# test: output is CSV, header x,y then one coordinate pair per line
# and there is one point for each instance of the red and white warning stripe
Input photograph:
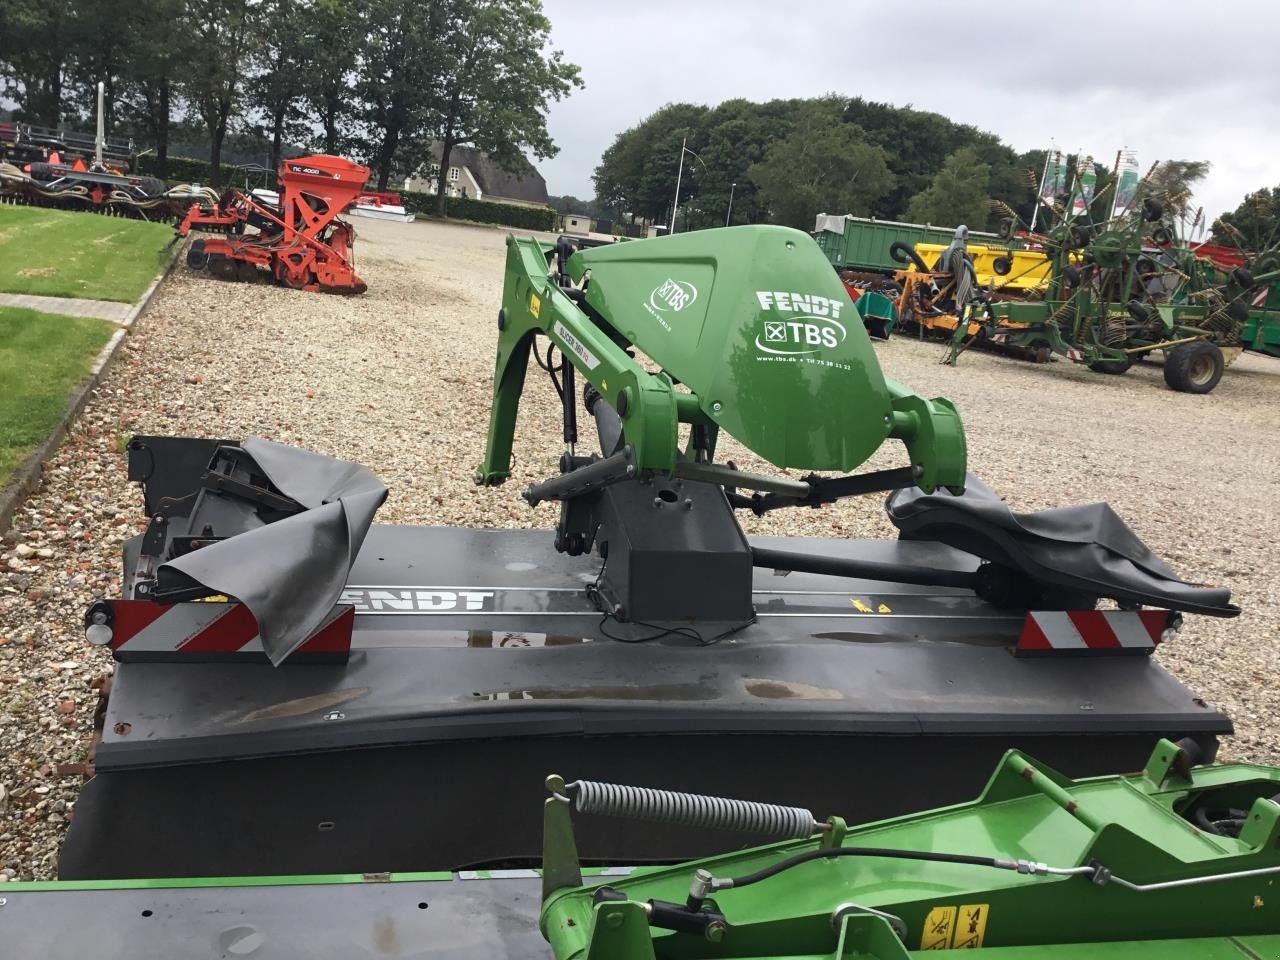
x,y
1074,354
1260,298
143,630
1091,631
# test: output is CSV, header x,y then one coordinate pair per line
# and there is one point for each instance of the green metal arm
x,y
532,304
803,390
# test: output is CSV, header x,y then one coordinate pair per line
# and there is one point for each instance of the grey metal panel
x,y
351,921
535,663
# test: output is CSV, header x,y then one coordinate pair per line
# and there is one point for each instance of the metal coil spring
x,y
691,809
1220,321
1112,331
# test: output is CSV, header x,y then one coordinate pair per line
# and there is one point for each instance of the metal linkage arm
x,y
533,304
933,435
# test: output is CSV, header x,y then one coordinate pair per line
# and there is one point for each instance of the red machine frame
x,y
303,244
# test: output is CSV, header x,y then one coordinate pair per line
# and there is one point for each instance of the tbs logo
x,y
816,329
673,295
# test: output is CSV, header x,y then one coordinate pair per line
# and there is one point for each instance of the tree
x,y
497,80
223,32
1172,181
824,165
637,174
1254,225
332,46
957,194
34,55
283,76
398,84
155,56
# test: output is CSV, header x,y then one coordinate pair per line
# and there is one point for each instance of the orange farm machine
x,y
299,239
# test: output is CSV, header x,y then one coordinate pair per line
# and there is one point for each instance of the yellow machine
x,y
1028,269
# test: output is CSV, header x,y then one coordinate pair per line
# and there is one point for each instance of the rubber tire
x,y
1003,266
43,172
1181,361
1152,209
1113,367
1161,236
197,259
152,188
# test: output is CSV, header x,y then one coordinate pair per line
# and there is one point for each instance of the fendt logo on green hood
x,y
813,326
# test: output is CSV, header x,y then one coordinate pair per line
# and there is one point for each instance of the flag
x,y
1054,181
1086,182
1127,176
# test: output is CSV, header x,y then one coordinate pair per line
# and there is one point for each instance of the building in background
x,y
476,175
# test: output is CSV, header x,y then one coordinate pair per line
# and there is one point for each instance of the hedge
x,y
483,211
187,170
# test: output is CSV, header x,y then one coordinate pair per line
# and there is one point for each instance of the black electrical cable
x,y
661,631
546,365
807,856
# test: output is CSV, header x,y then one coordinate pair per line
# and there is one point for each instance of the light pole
x,y
671,228
729,214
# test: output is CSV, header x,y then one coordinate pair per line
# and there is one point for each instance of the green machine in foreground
x,y
383,799
1173,863
755,327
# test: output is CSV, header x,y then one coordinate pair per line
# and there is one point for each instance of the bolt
x,y
99,616
614,919
657,501
688,504
335,715
1087,705
717,407
715,931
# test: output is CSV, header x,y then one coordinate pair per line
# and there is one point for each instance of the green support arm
x,y
533,304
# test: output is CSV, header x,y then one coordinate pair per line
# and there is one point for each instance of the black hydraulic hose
x,y
862,569
794,861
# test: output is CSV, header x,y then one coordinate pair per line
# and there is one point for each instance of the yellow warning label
x,y
971,927
860,606
938,928
535,305
883,608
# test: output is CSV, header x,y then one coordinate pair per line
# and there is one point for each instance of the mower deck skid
x,y
478,663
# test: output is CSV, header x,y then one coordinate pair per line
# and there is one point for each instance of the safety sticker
x,y
938,928
863,607
535,305
955,928
971,927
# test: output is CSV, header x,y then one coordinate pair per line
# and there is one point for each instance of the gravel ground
x,y
399,379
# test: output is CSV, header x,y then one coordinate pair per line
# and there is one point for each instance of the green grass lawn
x,y
62,253
42,357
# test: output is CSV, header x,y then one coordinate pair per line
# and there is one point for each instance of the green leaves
x,y
823,166
957,194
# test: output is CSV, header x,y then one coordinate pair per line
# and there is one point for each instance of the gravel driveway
x,y
399,379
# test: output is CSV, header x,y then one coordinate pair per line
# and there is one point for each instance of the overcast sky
x,y
1171,80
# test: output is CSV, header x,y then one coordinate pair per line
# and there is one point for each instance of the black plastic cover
x,y
290,573
1086,548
